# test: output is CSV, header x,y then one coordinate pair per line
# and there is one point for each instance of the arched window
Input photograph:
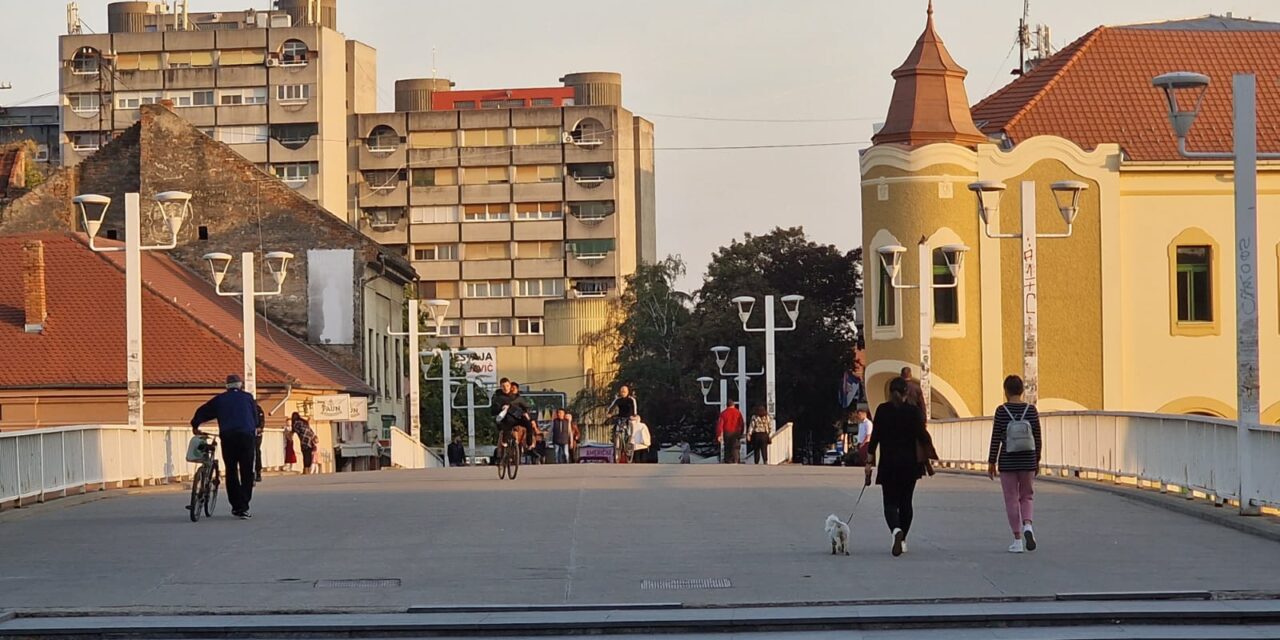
x,y
85,62
383,138
589,132
294,53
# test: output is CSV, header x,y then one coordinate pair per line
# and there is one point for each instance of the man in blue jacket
x,y
238,422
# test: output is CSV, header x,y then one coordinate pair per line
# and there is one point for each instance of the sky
x,y
708,73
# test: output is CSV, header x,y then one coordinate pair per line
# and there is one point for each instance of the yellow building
x,y
1136,309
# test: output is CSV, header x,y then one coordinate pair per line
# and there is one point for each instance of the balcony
x,y
242,76
591,228
240,114
486,307
486,193
199,116
592,287
433,158
309,188
295,111
538,268
393,158
536,117
385,230
485,156
391,194
486,232
593,265
434,233
537,154
485,119
486,269
422,196
590,151
309,151
141,80
538,191
538,230
192,78
255,153
438,269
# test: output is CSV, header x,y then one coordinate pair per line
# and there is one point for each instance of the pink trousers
x,y
1018,494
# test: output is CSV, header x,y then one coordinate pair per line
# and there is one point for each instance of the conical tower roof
x,y
929,101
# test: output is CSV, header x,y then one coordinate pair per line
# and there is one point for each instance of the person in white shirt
x,y
640,439
864,427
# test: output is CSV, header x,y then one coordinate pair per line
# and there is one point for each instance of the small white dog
x,y
838,532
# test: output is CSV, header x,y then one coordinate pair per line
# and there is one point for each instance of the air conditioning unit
x,y
566,137
273,62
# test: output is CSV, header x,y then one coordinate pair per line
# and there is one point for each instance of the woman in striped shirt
x,y
1016,468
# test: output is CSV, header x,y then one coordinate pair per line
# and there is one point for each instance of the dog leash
x,y
855,505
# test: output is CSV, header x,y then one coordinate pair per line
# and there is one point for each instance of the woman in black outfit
x,y
899,435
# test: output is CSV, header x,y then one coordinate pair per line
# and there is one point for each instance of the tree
x,y
810,360
431,406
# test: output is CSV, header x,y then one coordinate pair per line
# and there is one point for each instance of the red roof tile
x,y
191,336
1098,89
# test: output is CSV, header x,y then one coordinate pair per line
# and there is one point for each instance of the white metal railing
x,y
39,464
1193,453
408,453
780,448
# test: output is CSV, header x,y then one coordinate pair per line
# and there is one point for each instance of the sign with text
x,y
483,366
334,408
359,409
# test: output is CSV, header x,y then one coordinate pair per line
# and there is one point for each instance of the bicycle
x,y
623,447
205,482
509,452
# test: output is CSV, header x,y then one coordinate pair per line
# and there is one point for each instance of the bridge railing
x,y
1191,453
40,464
408,453
780,450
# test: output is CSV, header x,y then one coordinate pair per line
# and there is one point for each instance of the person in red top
x,y
729,432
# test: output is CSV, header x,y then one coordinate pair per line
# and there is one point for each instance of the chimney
x,y
34,299
167,104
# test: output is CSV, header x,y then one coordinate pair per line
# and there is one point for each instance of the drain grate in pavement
x,y
685,584
358,583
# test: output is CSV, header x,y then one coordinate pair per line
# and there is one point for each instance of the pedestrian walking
x,y
237,416
915,394
562,436
729,433
904,448
456,453
640,439
1015,457
308,441
761,434
577,438
862,436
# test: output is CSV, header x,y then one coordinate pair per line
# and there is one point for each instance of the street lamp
x,y
741,376
471,407
277,264
446,378
723,402
891,258
175,207
1066,194
1184,92
436,311
791,305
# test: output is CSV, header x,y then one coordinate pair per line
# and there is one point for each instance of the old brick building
x,y
343,290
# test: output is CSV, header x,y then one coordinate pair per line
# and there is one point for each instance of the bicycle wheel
x,y
502,463
211,493
197,490
515,462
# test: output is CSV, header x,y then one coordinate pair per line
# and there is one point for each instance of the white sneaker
x,y
1029,538
904,545
898,538
1016,547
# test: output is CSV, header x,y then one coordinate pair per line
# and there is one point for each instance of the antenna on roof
x,y
73,19
433,63
1038,44
1024,38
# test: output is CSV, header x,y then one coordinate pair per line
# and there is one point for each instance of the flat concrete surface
x,y
582,534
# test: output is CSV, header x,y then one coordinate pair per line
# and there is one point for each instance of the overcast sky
x,y
826,60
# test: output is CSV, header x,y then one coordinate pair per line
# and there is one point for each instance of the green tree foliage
x,y
430,401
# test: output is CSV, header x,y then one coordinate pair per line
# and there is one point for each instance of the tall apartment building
x,y
504,199
277,86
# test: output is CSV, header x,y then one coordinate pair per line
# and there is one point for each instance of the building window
x,y
538,135
593,287
591,175
294,136
241,57
489,288
85,62
383,139
189,59
1195,284
248,95
293,53
540,250
490,104
447,290
592,211
287,93
86,141
539,211
431,139
499,212
589,132
434,178
399,372
589,249
295,174
491,327
540,288
202,98
129,101
946,301
386,367
487,251
433,252
529,326
451,328
247,134
137,61
484,138
84,102
485,175
432,215
464,104
384,218
382,179
886,300
539,173
544,102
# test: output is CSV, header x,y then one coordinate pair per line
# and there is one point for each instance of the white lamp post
x,y
278,264
790,304
1066,194
891,258
175,207
741,376
471,407
436,311
446,396
723,402
1244,154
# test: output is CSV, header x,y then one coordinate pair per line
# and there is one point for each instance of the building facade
x,y
277,86
505,199
1136,308
39,124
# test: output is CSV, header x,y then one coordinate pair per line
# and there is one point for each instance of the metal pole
x,y
413,417
743,378
1030,289
770,382
133,320
1246,196
248,298
471,419
446,400
724,394
925,290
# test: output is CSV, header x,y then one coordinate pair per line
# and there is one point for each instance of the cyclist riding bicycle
x,y
513,414
624,407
